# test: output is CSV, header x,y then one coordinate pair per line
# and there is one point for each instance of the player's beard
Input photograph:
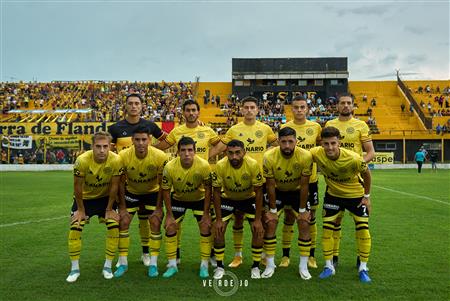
x,y
345,114
235,162
287,152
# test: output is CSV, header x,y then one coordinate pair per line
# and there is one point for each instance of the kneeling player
x,y
287,169
240,179
188,177
96,181
345,190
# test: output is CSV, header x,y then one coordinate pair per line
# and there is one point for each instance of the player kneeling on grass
x,y
237,182
140,192
342,170
96,181
186,185
287,169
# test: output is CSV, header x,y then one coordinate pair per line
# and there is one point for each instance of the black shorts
x,y
93,207
333,206
179,209
144,203
313,196
229,207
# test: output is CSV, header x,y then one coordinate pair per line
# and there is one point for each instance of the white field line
x,y
412,195
33,221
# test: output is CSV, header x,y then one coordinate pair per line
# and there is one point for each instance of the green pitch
x,y
409,259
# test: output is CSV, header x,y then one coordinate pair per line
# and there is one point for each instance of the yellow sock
x,y
288,234
313,232
336,239
205,247
124,242
304,246
75,240
112,238
219,250
327,240
256,253
144,231
155,243
171,246
270,245
238,238
364,240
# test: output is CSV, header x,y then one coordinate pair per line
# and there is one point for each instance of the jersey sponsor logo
x,y
237,189
309,132
330,206
201,150
288,181
178,209
348,145
98,178
245,177
96,185
226,207
306,146
259,134
254,149
141,180
250,141
130,199
200,135
151,167
350,130
335,178
288,174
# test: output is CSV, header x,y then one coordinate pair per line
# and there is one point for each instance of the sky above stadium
x,y
179,40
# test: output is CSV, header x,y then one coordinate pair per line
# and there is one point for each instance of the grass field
x,y
409,260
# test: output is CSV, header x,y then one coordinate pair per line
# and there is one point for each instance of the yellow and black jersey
x,y
186,184
97,176
237,184
287,171
342,174
142,174
354,133
307,136
256,137
122,132
204,136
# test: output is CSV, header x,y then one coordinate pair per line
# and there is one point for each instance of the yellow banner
x,y
52,128
63,142
383,158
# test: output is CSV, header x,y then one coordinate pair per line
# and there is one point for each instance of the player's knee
x,y
289,217
271,227
204,229
155,223
171,230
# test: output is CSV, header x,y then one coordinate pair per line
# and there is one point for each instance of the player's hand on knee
x,y
158,214
78,216
170,224
219,228
206,220
125,217
257,228
112,214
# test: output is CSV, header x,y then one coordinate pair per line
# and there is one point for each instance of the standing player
x,y
96,182
355,136
121,133
186,185
342,170
287,169
237,182
256,136
140,187
308,136
204,138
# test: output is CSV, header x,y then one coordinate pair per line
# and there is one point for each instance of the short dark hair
x,y
299,98
190,102
330,131
135,95
141,130
287,131
185,141
250,99
235,142
345,94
